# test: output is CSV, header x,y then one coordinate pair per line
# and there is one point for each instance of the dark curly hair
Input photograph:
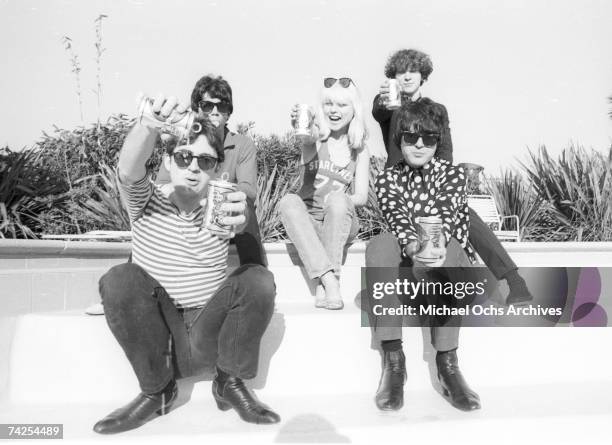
x,y
216,87
423,115
409,60
201,127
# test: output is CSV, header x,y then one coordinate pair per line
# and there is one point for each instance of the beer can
x,y
303,122
429,231
217,189
177,124
395,98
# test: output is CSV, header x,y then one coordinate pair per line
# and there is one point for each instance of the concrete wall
x,y
46,275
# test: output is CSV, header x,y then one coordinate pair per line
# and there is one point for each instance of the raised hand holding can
x,y
176,123
394,100
303,120
213,218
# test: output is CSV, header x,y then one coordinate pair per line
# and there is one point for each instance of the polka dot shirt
x,y
436,189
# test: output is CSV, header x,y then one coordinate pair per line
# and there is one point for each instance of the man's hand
x,y
140,142
163,107
436,252
383,90
412,248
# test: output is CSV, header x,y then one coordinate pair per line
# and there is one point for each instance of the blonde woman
x,y
320,218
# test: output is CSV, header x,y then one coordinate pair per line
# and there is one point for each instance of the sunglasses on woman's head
x,y
344,82
207,106
429,139
183,159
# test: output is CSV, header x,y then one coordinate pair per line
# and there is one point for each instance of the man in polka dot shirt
x,y
419,185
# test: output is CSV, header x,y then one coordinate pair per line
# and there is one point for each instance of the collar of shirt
x,y
403,167
229,139
415,97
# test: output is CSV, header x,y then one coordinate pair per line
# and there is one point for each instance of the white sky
x,y
512,74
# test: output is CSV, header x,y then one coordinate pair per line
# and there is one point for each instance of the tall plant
x,y
99,51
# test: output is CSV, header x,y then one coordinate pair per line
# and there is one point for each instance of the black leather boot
x,y
138,412
454,387
519,292
230,392
390,393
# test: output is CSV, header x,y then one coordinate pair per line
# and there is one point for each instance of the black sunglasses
x,y
344,82
429,139
183,159
222,107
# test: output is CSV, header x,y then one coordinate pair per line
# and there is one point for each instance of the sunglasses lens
x,y
207,106
429,140
183,159
328,82
345,81
223,107
207,162
410,138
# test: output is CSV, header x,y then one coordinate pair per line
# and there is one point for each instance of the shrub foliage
x,y
66,183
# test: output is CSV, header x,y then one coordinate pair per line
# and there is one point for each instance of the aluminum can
x,y
303,122
429,231
395,98
177,124
217,189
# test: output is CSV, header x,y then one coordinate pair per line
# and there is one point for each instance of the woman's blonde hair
x,y
357,131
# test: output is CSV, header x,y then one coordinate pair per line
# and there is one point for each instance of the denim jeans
x,y
384,251
163,342
320,244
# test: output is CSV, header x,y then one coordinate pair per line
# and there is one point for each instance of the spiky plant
x,y
515,196
26,190
577,189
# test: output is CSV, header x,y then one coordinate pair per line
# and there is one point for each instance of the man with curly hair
x,y
412,68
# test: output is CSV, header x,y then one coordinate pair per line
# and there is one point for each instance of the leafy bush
x,y
371,220
270,189
105,208
26,191
277,152
577,190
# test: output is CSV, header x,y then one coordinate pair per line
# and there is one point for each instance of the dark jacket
x,y
387,118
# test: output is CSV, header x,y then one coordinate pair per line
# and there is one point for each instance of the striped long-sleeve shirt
x,y
186,259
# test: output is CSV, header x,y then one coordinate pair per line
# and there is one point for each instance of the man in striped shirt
x,y
172,310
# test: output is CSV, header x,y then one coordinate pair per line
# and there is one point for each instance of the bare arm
x,y
362,178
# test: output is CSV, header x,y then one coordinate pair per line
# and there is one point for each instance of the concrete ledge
x,y
19,248
46,275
